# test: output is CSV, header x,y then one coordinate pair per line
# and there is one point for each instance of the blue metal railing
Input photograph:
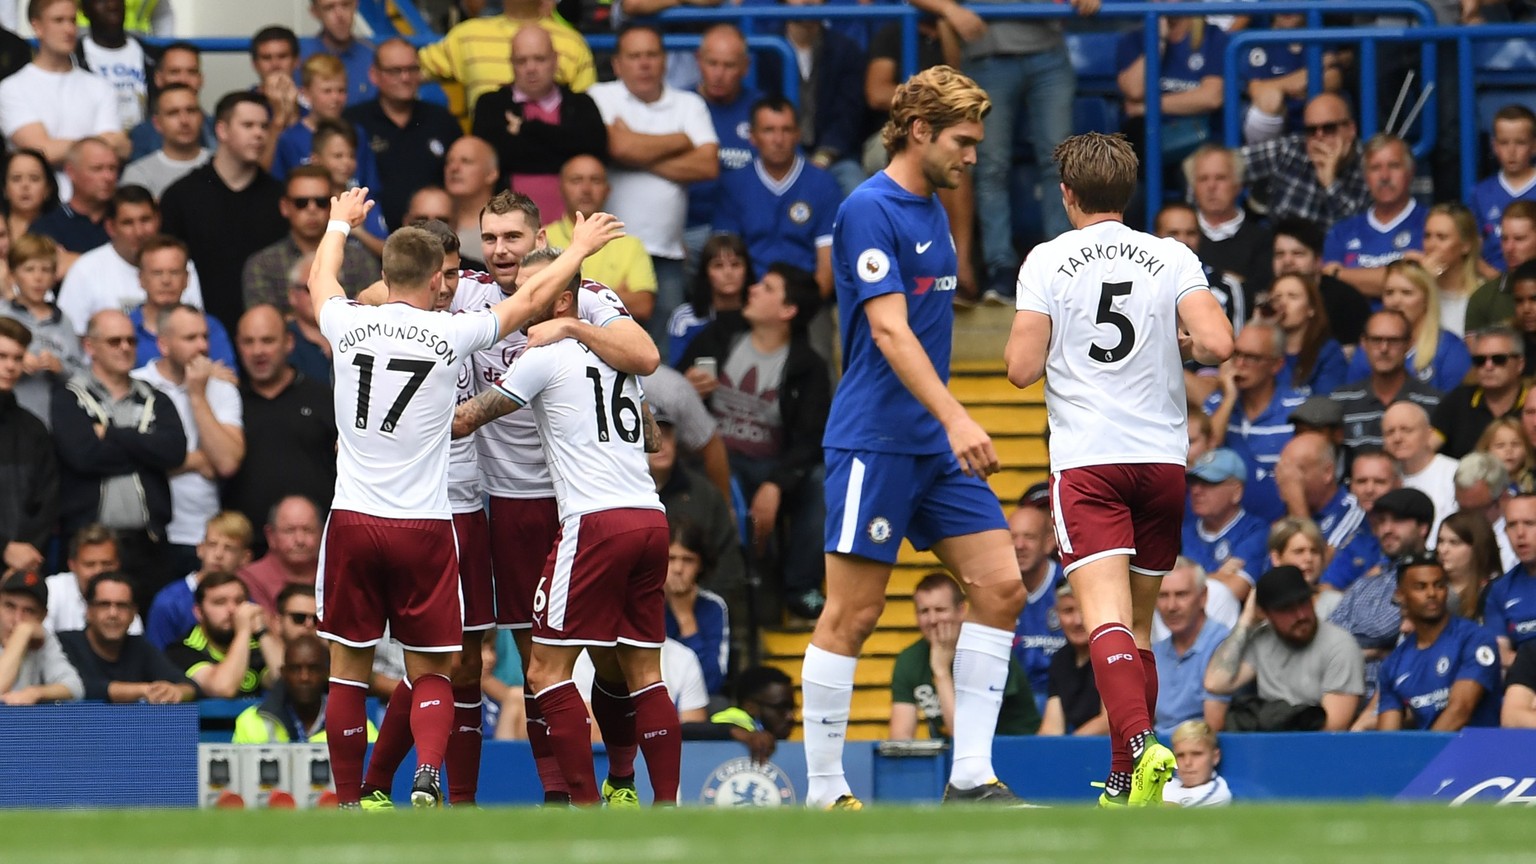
x,y
752,18
746,17
1368,37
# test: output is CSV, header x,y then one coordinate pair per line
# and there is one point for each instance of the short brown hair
x,y
411,256
217,579
1523,208
938,580
310,171
1099,169
16,331
31,247
507,201
163,241
941,97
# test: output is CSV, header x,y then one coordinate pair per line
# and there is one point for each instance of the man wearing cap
x,y
1400,524
1498,357
1509,610
1411,441
1445,676
1219,535
1037,636
1248,413
33,667
1295,659
1385,344
1307,473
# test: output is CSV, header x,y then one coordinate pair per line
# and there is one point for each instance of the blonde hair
x,y
233,525
1468,232
940,96
320,66
1099,169
1194,730
32,247
1426,335
1283,530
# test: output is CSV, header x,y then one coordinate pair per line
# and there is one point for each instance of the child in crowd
x,y
55,354
1196,784
334,148
1514,141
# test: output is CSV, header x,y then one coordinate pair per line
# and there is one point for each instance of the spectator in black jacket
x,y
831,98
117,440
535,125
770,393
29,474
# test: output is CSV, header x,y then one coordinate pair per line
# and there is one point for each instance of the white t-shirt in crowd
x,y
102,279
66,606
194,498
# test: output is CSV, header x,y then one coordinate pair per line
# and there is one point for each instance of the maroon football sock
x,y
543,754
615,715
431,718
1122,688
346,734
570,737
1149,672
661,740
394,741
464,745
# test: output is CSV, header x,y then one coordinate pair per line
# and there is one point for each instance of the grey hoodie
x,y
55,334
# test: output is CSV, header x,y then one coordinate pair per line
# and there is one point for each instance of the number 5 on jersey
x,y
1107,315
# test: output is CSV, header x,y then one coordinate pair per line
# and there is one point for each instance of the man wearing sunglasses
x,y
118,438
1498,356
306,205
1317,174
296,613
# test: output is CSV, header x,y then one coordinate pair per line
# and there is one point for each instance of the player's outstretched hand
x,y
591,233
972,446
351,206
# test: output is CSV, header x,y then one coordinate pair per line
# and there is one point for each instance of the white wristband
x,y
339,225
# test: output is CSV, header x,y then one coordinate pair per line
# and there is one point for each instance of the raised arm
x,y
348,210
588,235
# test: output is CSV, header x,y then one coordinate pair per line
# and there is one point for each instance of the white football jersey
x,y
465,494
396,368
1114,381
588,419
512,464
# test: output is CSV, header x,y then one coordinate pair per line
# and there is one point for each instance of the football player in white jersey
x,y
1108,315
600,588
524,519
388,555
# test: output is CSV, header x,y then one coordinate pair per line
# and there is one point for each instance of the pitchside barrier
x,y
149,756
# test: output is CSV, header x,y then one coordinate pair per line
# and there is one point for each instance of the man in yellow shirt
x,y
478,53
623,264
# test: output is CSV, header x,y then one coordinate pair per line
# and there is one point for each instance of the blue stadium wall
x,y
142,756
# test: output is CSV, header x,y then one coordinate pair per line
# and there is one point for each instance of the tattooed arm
x,y
481,410
1227,671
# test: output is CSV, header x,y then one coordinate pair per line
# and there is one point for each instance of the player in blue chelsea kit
x,y
903,457
1445,675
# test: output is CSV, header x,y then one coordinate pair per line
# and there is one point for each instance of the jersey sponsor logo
x,y
923,247
1381,260
879,529
1437,698
800,212
1484,655
741,782
873,265
924,284
1524,628
1048,643
732,158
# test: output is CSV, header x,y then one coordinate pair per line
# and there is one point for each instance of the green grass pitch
x,y
1375,833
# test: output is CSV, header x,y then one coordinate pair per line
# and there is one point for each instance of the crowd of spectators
x,y
1357,543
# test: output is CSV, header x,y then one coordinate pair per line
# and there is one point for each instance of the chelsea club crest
x,y
744,783
879,529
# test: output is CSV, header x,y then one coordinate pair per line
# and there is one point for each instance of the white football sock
x,y
981,673
826,694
